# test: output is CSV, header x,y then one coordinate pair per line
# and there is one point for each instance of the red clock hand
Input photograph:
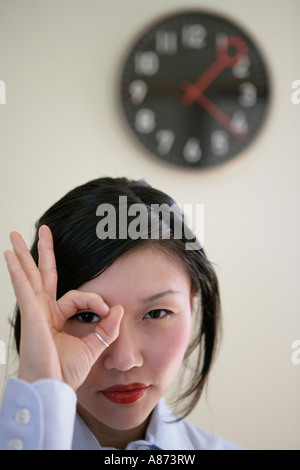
x,y
218,114
193,92
221,117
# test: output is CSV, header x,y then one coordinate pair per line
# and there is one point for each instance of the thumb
x,y
105,333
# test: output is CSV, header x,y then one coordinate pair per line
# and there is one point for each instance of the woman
x,y
110,304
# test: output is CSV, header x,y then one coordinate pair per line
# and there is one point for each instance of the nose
x,y
125,352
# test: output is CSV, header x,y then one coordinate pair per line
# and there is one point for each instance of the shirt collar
x,y
161,432
164,429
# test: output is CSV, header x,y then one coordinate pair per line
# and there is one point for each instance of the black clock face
x,y
194,90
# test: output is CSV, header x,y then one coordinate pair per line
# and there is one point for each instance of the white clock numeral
x,y
241,69
248,95
239,122
192,151
165,139
146,63
193,36
145,121
219,143
166,42
221,37
137,90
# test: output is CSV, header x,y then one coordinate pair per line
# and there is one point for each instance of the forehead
x,y
140,273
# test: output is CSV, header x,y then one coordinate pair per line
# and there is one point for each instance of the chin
x,y
131,421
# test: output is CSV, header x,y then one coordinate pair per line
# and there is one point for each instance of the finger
x,y
22,287
108,329
75,301
47,263
27,262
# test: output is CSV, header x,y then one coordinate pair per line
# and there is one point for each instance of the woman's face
x,y
140,365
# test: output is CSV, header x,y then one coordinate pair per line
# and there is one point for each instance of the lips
x,y
125,394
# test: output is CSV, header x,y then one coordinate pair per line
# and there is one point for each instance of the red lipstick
x,y
125,394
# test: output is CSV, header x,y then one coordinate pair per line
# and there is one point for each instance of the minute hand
x,y
223,60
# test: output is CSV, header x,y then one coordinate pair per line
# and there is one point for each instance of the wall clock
x,y
194,90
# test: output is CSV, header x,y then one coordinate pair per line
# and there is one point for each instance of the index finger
x,y
47,263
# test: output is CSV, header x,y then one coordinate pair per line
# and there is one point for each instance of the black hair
x,y
81,256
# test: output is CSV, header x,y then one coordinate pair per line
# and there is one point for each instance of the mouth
x,y
125,394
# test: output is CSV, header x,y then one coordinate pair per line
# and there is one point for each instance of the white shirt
x,y
42,416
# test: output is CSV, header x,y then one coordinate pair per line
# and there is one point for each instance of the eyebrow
x,y
159,295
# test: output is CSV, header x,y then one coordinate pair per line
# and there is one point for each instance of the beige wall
x,y
61,126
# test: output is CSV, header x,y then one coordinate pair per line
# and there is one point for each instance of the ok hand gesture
x,y
46,351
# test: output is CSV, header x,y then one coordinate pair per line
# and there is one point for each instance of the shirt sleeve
x,y
37,416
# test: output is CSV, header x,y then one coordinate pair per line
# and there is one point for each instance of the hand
x,y
46,351
195,92
220,116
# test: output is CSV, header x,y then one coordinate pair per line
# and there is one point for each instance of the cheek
x,y
168,348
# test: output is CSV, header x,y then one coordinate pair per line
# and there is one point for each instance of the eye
x,y
86,317
157,314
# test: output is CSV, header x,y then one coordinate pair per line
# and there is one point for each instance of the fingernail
x,y
106,307
6,255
